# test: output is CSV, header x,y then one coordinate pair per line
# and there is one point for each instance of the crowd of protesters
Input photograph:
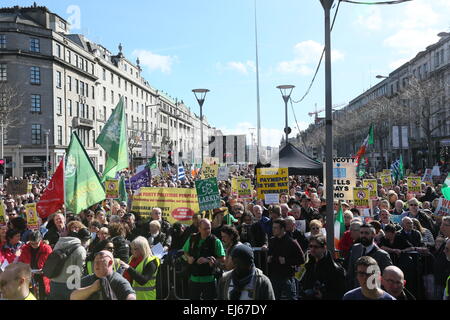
x,y
245,250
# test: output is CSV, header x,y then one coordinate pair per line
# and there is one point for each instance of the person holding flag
x,y
367,142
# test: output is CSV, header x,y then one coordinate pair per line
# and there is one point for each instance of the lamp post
x,y
286,91
200,95
46,132
327,4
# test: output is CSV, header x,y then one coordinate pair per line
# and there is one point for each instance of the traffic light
x,y
2,166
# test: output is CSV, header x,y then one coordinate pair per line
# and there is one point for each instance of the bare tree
x,y
427,104
10,106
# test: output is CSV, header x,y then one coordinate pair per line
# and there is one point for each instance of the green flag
x,y
123,195
446,188
113,140
152,162
83,187
401,170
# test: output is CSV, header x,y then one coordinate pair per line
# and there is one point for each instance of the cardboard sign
x,y
242,187
414,184
272,198
208,194
344,178
443,208
372,185
2,214
32,216
361,197
386,180
428,177
112,189
17,187
300,225
177,204
436,171
223,173
386,172
210,160
209,171
275,182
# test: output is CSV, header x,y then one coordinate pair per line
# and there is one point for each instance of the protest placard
x,y
208,194
112,189
17,187
442,208
414,185
386,180
372,185
209,171
271,180
242,187
32,216
344,178
223,173
361,198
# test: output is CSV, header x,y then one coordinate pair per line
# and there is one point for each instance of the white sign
x,y
155,172
436,171
344,178
223,173
427,177
443,208
271,198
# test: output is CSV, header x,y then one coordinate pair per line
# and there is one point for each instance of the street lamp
x,y
46,132
286,91
200,95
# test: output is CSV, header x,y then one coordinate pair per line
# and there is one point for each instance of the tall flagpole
x,y
257,93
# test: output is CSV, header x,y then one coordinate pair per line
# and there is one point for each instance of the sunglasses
x,y
110,249
413,204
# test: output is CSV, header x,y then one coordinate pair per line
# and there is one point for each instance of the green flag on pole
x,y
401,170
446,188
83,187
123,195
113,140
152,162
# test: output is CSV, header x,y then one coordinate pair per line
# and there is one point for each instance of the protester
x,y
230,239
105,283
57,228
393,282
101,245
11,250
15,282
157,236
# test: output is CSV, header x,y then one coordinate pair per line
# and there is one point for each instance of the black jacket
x,y
309,215
300,238
258,237
441,266
162,238
328,273
289,249
52,236
415,237
426,221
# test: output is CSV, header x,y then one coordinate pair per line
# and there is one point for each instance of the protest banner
x,y
17,187
242,187
271,198
32,216
386,180
372,185
387,172
344,178
442,208
2,214
428,177
112,189
271,180
209,171
207,194
177,204
223,173
414,185
361,198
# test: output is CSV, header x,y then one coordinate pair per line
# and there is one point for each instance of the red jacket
x,y
42,255
10,253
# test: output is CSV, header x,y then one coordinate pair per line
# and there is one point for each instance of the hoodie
x,y
77,257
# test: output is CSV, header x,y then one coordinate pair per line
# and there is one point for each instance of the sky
x,y
188,44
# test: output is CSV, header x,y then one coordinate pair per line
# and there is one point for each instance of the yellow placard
x,y
386,172
209,171
414,184
112,189
386,180
2,214
372,185
32,216
242,187
361,197
29,187
177,204
271,180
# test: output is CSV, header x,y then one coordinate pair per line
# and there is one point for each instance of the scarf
x,y
240,283
133,264
106,291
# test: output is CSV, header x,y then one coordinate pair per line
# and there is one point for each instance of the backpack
x,y
55,261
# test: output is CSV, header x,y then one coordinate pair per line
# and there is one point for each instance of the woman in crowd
x,y
230,238
142,269
156,236
102,245
100,216
316,228
11,250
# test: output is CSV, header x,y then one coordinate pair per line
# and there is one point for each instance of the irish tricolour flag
x,y
339,227
446,188
368,141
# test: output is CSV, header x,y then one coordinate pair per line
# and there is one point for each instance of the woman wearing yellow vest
x,y
106,244
142,269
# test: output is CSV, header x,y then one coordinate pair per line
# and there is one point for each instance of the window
x,y
69,106
92,68
76,60
58,50
3,72
58,79
104,75
112,78
93,138
78,109
126,85
36,134
59,106
35,75
82,110
132,105
87,89
35,103
35,45
93,92
112,96
69,82
2,41
82,88
69,56
104,94
77,86
119,80
104,113
60,142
